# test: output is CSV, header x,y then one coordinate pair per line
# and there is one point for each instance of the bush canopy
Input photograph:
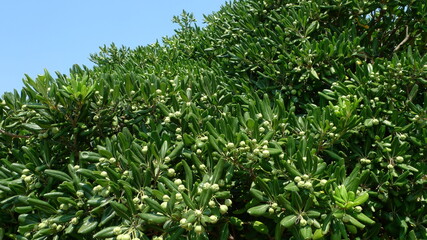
x,y
279,119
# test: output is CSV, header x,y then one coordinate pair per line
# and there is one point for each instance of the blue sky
x,y
54,35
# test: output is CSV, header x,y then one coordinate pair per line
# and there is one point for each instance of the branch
x,y
404,40
12,135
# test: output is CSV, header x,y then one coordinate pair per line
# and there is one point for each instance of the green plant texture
x,y
277,120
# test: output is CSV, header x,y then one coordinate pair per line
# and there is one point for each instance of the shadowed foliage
x,y
278,120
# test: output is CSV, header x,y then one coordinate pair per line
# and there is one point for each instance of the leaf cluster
x,y
278,120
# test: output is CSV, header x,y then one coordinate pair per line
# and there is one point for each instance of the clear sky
x,y
54,35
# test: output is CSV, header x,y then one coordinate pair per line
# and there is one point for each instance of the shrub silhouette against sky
x,y
279,119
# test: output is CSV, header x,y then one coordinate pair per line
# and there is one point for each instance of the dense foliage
x,y
279,119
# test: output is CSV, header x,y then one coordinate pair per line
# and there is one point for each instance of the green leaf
x,y
333,155
177,150
313,25
314,73
154,218
306,232
154,205
368,122
264,187
355,222
105,233
31,126
361,199
413,92
89,224
258,210
225,232
188,201
42,205
407,167
318,234
188,175
291,187
288,221
274,151
260,227
121,210
219,167
257,194
58,175
362,217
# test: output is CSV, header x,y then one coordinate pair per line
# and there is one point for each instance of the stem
x,y
403,41
13,135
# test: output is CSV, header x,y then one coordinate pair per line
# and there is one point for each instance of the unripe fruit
x,y
28,179
144,149
212,204
375,121
181,187
171,172
117,230
178,181
308,184
198,229
42,225
266,153
206,186
223,209
302,222
358,209
399,159
323,182
221,183
297,179
198,213
215,187
345,218
74,221
183,222
230,145
228,202
213,219
178,197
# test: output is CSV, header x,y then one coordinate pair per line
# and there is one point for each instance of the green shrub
x,y
280,119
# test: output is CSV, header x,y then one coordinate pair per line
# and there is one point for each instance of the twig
x,y
12,135
404,40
